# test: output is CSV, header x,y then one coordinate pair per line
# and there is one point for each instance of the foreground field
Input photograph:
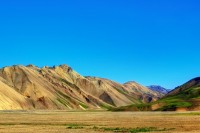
x,y
94,122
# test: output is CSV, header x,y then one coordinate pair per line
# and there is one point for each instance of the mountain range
x,y
62,88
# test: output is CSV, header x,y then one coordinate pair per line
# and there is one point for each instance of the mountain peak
x,y
30,65
158,88
130,82
65,67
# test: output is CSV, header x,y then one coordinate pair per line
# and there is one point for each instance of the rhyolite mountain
x,y
183,98
61,88
159,89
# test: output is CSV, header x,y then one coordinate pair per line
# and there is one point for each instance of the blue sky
x,y
151,42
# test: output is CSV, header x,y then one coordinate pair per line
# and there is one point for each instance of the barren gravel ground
x,y
58,121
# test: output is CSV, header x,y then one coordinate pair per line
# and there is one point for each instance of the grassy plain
x,y
98,122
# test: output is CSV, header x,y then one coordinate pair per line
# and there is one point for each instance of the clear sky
x,y
148,41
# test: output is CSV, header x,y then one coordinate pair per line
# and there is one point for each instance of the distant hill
x,y
159,89
62,88
183,98
141,92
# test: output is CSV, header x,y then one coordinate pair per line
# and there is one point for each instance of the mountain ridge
x,y
158,88
60,87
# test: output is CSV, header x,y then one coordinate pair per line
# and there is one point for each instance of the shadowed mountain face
x,y
158,89
61,88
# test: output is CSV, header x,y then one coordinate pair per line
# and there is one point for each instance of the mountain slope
x,y
193,83
10,99
186,96
60,87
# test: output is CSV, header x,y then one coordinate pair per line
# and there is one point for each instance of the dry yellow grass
x,y
57,121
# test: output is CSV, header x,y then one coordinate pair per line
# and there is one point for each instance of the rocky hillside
x,y
60,87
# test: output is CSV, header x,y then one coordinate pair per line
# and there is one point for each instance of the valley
x,y
58,99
